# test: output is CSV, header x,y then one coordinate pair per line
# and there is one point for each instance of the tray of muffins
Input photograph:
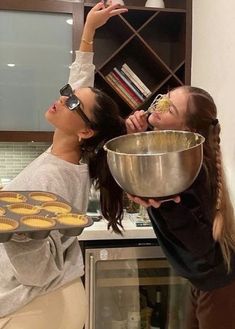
x,y
36,213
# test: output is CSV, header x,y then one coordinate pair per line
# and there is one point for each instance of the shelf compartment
x,y
120,265
138,17
109,38
102,84
134,54
168,39
174,4
168,85
125,282
180,72
182,4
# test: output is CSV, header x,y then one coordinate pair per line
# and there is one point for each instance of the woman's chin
x,y
154,123
48,116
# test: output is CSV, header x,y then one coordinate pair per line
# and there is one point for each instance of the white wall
x,y
213,68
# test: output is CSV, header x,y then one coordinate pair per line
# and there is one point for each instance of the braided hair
x,y
201,116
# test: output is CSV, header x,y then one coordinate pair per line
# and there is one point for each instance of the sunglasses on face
x,y
74,104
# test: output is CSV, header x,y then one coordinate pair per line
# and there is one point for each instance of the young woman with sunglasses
x,y
40,285
197,228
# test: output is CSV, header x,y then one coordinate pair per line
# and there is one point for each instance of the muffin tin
x,y
36,213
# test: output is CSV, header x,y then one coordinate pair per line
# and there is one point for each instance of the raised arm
x,y
82,70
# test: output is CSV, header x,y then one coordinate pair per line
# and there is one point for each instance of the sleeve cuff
x,y
84,57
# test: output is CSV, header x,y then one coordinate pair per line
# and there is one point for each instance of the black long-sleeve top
x,y
184,231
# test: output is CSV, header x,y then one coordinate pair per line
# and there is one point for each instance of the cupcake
x,y
56,207
42,196
72,219
2,211
38,222
12,197
7,224
24,209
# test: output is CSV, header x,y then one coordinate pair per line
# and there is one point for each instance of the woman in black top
x,y
196,229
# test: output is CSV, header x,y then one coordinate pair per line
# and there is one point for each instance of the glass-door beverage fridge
x,y
132,287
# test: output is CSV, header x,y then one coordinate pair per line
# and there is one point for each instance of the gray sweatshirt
x,y
30,268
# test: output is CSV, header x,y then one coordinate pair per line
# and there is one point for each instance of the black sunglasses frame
x,y
73,104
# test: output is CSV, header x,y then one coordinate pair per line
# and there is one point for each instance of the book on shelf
x,y
118,89
123,91
124,78
136,80
128,90
135,85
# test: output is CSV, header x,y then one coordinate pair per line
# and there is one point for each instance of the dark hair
x,y
108,125
201,117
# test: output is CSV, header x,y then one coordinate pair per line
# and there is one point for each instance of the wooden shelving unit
x,y
154,42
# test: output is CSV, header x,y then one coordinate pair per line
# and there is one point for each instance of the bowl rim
x,y
153,132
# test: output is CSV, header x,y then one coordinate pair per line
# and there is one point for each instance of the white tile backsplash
x,y
16,156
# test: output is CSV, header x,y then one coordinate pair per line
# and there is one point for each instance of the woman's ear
x,y
85,133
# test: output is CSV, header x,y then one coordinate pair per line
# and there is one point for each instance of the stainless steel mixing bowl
x,y
157,163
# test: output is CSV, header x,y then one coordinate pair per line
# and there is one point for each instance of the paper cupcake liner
x,y
42,196
24,209
56,207
12,197
72,219
38,222
8,224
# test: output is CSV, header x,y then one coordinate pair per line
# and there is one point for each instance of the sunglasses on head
x,y
74,104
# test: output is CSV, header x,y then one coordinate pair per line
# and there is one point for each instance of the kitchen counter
x,y
99,231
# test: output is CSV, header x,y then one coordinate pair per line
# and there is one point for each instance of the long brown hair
x,y
201,116
108,125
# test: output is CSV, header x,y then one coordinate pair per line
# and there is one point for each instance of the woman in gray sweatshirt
x,y
40,283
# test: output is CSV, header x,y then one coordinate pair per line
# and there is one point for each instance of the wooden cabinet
x,y
154,42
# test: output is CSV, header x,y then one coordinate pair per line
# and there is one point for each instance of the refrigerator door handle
x,y
91,291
